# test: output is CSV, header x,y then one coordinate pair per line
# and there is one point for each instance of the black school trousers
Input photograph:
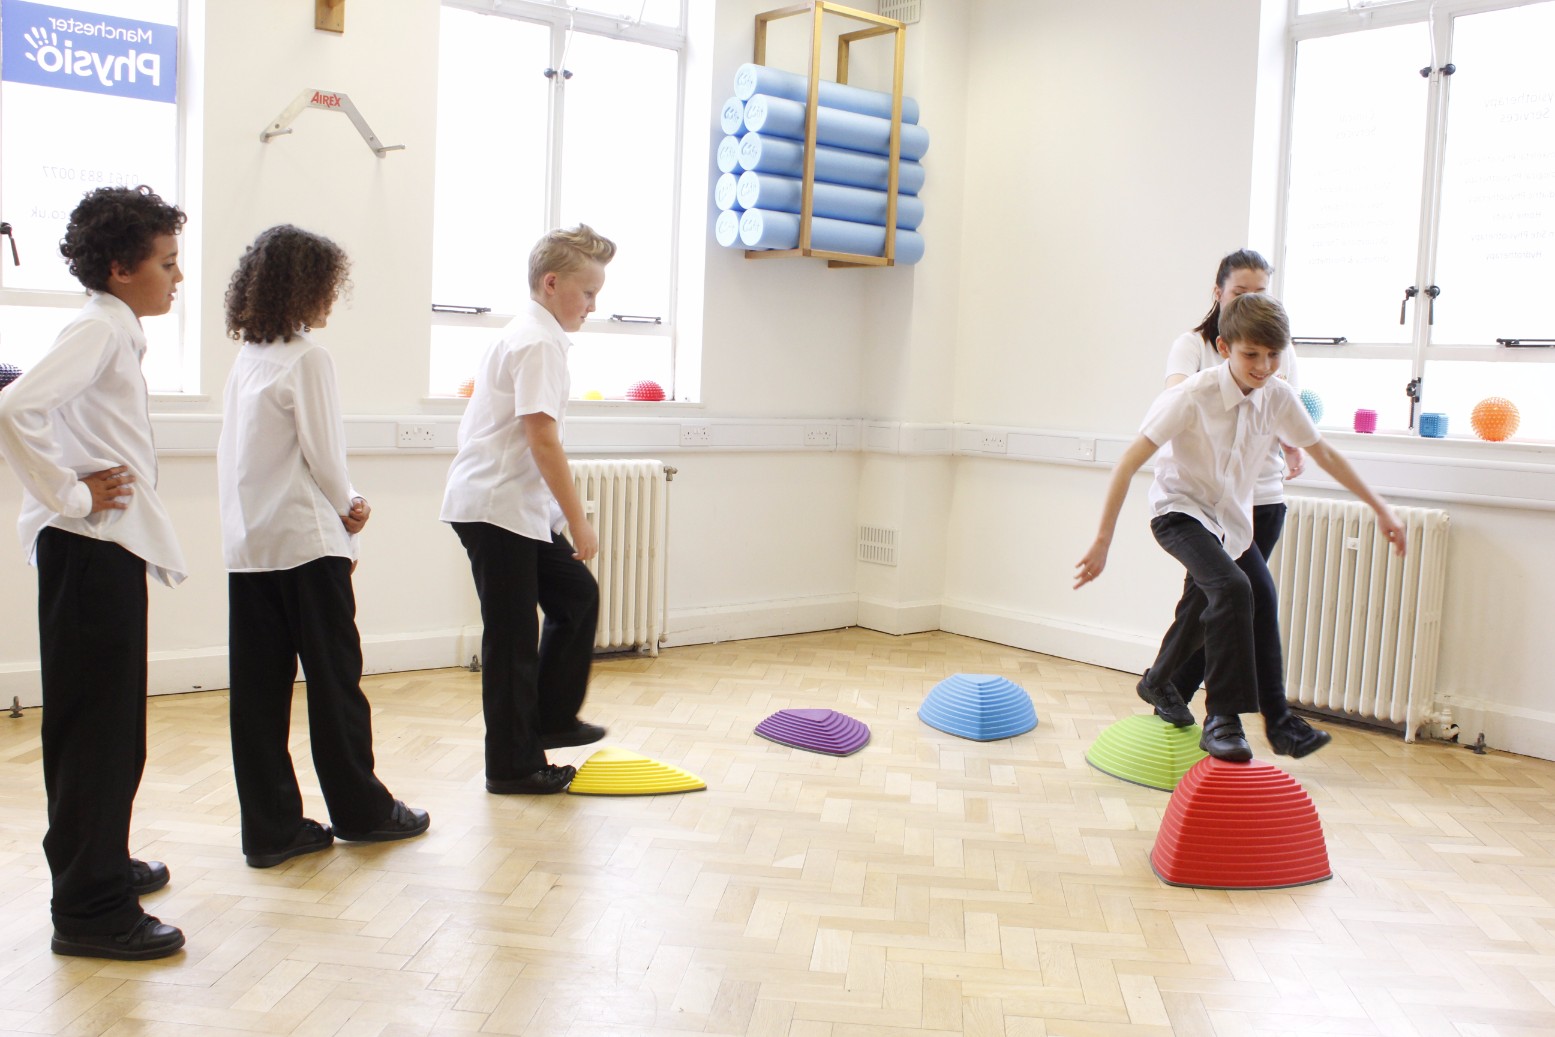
x,y
274,619
1268,523
533,679
1234,636
92,640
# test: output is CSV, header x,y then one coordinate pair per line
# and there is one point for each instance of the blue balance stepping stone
x,y
979,706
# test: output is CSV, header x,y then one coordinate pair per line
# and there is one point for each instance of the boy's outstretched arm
x,y
1338,466
1133,459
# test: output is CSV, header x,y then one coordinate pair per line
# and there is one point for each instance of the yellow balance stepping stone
x,y
617,772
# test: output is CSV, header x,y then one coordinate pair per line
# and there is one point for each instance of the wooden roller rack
x,y
877,26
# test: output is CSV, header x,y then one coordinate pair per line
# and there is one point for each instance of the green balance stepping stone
x,y
1146,750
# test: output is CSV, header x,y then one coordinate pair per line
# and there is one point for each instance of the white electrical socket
x,y
995,442
415,437
696,435
820,437
1086,450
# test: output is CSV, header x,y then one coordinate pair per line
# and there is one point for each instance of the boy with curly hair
x,y
76,429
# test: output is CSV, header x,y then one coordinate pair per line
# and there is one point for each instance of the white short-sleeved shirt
x,y
1190,354
81,409
494,478
281,461
1214,441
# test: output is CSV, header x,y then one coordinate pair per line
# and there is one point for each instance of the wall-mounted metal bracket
x,y
329,101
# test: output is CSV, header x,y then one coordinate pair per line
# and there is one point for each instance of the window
x,y
549,116
1419,229
112,66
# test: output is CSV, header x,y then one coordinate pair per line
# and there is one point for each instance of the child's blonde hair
x,y
563,251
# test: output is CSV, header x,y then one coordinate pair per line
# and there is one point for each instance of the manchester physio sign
x,y
78,50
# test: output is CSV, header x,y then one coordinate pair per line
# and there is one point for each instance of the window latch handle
x,y
1409,293
1430,309
1412,390
5,232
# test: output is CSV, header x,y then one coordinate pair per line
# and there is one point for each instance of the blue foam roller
x,y
835,128
766,154
979,706
834,201
763,228
727,228
1433,425
728,154
731,118
727,191
752,79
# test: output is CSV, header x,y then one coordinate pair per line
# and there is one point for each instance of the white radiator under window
x,y
628,503
1360,626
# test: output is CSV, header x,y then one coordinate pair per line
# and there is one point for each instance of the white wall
x,y
779,340
1110,157
1090,164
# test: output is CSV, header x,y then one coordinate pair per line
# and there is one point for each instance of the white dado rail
x,y
1515,475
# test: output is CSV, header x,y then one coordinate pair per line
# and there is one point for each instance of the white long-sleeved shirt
x,y
81,409
1214,442
1190,354
281,462
494,478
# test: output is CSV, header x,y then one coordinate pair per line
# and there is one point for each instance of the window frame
x,y
188,361
1439,17
560,20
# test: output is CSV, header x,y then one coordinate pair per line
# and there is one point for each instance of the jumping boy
x,y
1214,431
76,429
509,494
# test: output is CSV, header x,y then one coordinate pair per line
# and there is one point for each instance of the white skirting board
x,y
205,669
913,617
1510,729
1099,646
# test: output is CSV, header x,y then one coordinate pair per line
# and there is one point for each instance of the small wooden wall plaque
x,y
329,15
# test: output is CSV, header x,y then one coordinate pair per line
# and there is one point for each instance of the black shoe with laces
x,y
1292,736
147,876
310,838
1224,740
148,938
1167,701
403,822
547,780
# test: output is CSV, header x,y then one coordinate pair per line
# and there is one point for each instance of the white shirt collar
x,y
1231,394
117,310
549,322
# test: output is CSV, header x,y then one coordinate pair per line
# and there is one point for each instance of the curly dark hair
x,y
115,225
287,279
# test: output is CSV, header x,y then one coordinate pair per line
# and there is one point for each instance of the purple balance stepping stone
x,y
818,730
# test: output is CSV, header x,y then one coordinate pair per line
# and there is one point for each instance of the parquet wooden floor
x,y
926,885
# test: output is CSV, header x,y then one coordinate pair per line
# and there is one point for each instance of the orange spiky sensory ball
x,y
467,389
1495,418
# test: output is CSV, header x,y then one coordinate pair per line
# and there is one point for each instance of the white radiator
x,y
628,503
1360,626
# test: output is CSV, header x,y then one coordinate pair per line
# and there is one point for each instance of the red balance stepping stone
x,y
1239,826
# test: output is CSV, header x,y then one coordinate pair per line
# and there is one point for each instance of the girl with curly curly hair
x,y
290,519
